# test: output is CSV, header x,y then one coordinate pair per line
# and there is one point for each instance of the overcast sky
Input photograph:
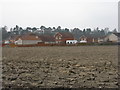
x,y
64,13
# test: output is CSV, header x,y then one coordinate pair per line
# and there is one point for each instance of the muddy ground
x,y
72,67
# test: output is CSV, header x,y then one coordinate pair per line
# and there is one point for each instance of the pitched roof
x,y
29,37
85,36
14,37
66,34
47,38
92,36
117,34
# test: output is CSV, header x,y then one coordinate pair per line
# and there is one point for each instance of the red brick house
x,y
62,37
47,39
88,39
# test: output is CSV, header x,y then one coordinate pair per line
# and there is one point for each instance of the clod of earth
x,y
77,66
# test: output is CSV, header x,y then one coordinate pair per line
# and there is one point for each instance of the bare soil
x,y
71,67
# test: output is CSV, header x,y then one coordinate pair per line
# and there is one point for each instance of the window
x,y
59,37
56,37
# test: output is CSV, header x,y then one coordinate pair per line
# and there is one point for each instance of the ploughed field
x,y
71,67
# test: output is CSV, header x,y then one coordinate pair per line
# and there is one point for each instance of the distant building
x,y
28,40
6,42
88,39
113,37
62,37
47,39
13,38
83,39
101,39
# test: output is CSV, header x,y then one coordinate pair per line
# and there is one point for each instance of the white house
x,y
6,42
71,41
28,40
114,37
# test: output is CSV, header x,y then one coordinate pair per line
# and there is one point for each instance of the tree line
x,y
17,30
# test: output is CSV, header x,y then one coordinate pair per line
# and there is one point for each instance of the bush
x,y
108,43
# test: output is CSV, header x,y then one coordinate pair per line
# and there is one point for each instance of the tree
x,y
42,27
34,29
115,30
102,33
28,28
58,28
17,28
84,30
88,30
66,30
77,33
20,30
54,28
49,28
97,29
106,30
11,29
4,32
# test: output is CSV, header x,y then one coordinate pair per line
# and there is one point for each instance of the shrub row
x,y
79,44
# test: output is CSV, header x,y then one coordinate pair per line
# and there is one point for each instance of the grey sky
x,y
66,13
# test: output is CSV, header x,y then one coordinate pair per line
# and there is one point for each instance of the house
x,y
31,38
88,39
10,39
113,37
62,37
6,42
13,38
101,39
28,39
71,41
83,39
47,39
